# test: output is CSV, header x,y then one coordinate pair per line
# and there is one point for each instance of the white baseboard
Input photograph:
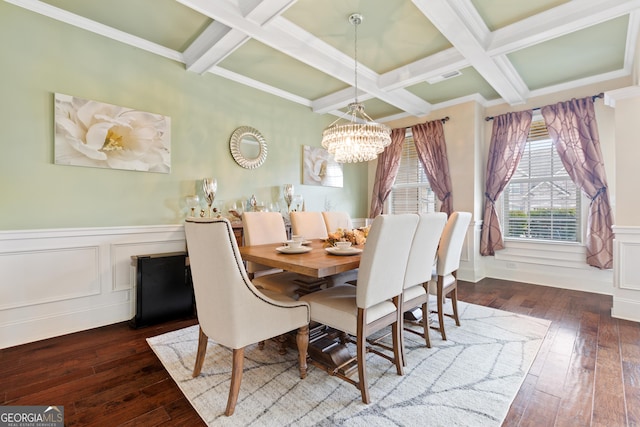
x,y
626,309
56,324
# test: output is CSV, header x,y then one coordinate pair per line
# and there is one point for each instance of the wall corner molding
x,y
610,97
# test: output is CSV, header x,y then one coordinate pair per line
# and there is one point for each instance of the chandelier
x,y
360,139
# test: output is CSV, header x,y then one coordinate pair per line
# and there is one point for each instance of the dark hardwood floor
x,y
587,372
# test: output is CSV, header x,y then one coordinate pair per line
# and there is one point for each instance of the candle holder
x,y
287,191
193,201
209,187
298,203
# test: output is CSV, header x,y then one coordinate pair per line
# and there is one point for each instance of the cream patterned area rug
x,y
468,380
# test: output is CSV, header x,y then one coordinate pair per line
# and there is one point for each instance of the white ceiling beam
x,y
218,41
211,46
290,39
337,100
239,78
432,66
263,11
474,45
556,22
448,18
547,25
341,66
632,40
320,55
341,98
97,28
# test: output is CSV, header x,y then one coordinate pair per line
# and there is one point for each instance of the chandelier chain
x,y
356,22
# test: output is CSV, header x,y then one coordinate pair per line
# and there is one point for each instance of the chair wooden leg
x,y
236,379
343,337
425,323
396,329
361,354
202,350
441,308
454,303
282,344
402,348
302,340
397,337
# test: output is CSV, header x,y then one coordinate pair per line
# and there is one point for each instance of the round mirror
x,y
248,147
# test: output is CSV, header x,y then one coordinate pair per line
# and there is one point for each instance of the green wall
x,y
41,56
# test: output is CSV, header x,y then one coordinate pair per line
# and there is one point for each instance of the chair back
x,y
424,248
261,228
384,260
451,243
229,306
308,224
335,220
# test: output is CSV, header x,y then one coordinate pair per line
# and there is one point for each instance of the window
x,y
541,202
411,192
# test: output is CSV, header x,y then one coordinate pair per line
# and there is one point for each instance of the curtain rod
x,y
593,98
443,120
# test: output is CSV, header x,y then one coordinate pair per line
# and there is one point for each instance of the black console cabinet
x,y
163,288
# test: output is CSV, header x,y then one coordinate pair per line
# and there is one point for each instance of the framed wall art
x,y
319,168
95,134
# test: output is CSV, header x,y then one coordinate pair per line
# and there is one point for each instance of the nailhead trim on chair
x,y
240,266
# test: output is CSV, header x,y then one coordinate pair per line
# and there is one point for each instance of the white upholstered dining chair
x,y
308,224
445,282
231,310
334,220
376,301
261,228
422,255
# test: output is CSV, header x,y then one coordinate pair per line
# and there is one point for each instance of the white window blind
x,y
411,192
541,202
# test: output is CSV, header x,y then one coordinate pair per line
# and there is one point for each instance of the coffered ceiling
x,y
414,55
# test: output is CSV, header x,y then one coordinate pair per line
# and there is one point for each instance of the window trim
x,y
582,204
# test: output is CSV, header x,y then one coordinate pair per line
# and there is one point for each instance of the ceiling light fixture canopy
x,y
360,139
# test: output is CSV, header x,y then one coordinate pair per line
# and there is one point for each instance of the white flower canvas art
x,y
319,168
95,134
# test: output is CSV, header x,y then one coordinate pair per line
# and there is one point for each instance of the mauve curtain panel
x,y
386,172
432,151
574,131
508,139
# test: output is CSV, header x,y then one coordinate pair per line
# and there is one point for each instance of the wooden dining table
x,y
325,347
317,263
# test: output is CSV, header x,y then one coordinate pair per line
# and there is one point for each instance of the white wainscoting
x,y
54,282
548,264
471,263
626,258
